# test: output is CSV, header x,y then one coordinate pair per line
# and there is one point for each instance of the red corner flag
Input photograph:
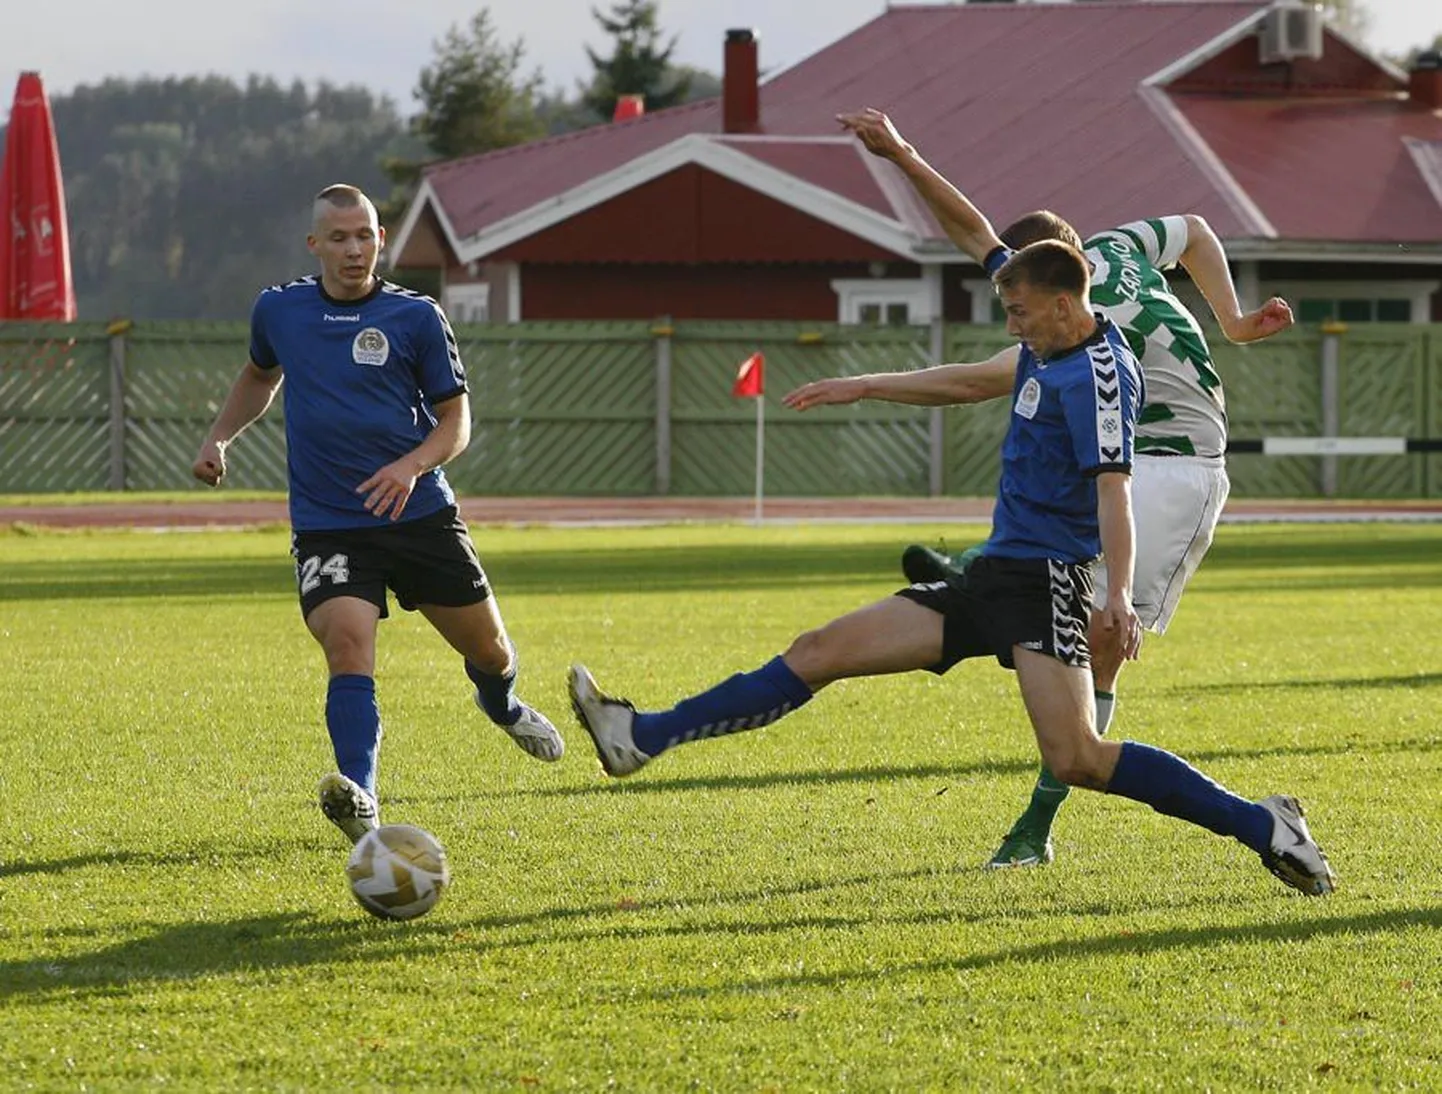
x,y
750,378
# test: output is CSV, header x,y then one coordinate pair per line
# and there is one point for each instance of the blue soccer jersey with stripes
x,y
1073,416
361,378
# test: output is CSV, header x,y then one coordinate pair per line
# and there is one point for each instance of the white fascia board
x,y
1293,250
1208,162
426,195
703,151
1206,51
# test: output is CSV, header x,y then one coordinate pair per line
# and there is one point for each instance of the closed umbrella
x,y
34,245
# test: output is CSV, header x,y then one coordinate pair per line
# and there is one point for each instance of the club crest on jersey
x,y
1030,398
371,347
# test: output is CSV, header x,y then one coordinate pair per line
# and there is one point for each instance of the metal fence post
x,y
116,332
1332,332
937,479
662,332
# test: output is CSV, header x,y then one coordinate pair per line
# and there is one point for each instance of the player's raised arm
x,y
962,222
940,385
249,397
1205,261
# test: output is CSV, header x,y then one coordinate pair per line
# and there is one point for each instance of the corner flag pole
x,y
760,452
751,384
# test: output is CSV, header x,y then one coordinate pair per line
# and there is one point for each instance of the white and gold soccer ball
x,y
398,871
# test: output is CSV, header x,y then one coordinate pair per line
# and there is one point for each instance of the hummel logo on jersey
x,y
341,318
1035,647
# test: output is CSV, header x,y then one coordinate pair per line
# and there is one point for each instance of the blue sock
x,y
498,693
1174,787
354,722
748,700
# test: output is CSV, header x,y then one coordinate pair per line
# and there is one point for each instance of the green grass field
x,y
796,909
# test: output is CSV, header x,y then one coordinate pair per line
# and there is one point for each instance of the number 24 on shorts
x,y
310,570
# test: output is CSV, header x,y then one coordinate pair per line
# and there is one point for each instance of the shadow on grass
x,y
652,569
1002,766
1122,945
1411,680
1356,562
194,951
169,860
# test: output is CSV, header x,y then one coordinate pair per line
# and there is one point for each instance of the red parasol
x,y
34,243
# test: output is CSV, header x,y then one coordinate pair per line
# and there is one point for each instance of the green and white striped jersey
x,y
1185,412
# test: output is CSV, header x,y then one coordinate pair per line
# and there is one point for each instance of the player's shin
x,y
1172,786
354,721
748,700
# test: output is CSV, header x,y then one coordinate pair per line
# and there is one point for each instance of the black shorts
x,y
998,603
430,560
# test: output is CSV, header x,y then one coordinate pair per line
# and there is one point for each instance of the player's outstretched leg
x,y
1273,827
627,739
347,805
528,727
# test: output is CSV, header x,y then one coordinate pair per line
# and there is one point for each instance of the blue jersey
x,y
1073,417
361,377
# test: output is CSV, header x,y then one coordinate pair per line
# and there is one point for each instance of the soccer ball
x,y
398,871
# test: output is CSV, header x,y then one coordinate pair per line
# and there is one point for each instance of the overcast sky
x,y
383,45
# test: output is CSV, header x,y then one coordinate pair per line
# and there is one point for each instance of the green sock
x,y
1050,792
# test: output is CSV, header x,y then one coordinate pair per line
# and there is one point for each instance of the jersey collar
x,y
355,303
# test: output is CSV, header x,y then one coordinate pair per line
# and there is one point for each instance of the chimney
x,y
740,94
1424,82
628,107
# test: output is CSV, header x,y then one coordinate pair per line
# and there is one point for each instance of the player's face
x,y
1034,316
348,243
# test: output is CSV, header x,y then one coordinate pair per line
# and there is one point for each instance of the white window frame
x,y
921,295
468,302
1419,293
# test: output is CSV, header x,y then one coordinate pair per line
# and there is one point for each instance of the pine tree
x,y
638,65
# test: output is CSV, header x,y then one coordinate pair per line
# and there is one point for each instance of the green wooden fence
x,y
633,408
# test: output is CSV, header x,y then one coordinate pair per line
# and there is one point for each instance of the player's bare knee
x,y
495,656
809,659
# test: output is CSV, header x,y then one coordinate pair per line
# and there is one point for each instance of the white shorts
x,y
1176,503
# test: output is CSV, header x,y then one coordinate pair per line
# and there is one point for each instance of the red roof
x,y
1331,169
1039,105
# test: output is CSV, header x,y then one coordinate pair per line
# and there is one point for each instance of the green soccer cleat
x,y
923,565
927,565
1022,847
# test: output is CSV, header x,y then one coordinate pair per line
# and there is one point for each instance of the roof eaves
x,y
1305,250
714,154
424,196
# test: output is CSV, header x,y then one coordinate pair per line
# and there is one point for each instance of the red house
x,y
1318,163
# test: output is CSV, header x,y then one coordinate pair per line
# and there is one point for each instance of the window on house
x,y
878,302
468,303
875,314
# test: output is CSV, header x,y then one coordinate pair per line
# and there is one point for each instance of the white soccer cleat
x,y
1294,855
347,806
608,721
534,732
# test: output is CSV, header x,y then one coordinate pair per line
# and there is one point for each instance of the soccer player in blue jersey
x,y
375,403
1064,499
